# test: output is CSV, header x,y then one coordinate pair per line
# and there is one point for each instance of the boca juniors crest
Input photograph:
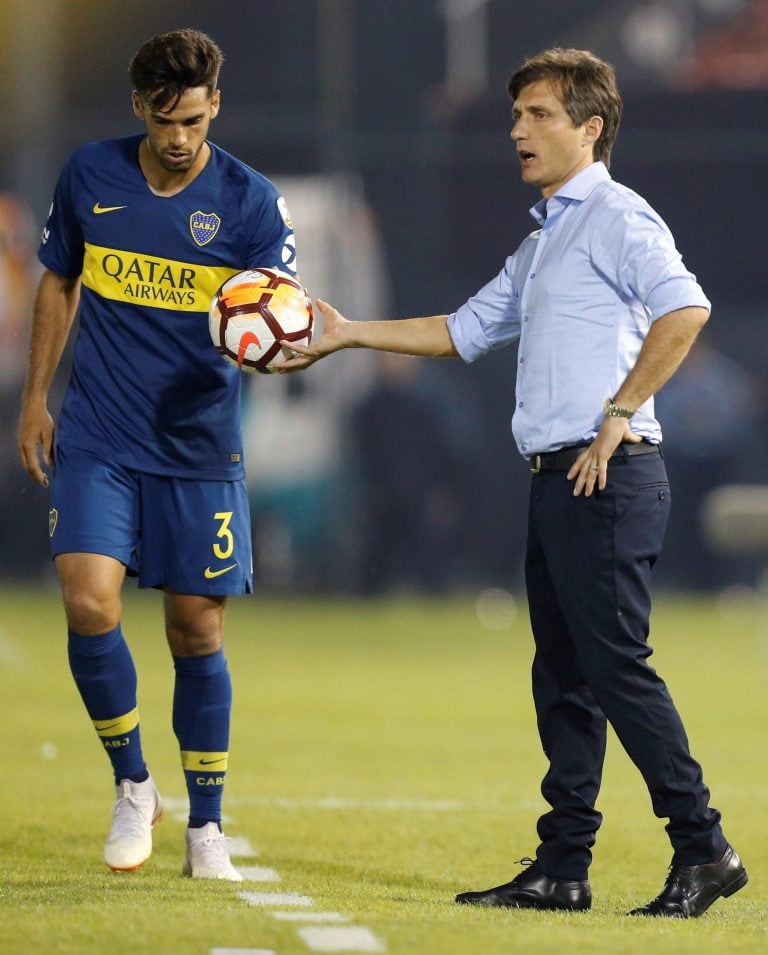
x,y
204,226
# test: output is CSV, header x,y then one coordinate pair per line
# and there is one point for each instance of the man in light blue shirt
x,y
580,329
605,311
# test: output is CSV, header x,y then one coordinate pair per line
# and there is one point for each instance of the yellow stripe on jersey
x,y
118,726
150,280
208,762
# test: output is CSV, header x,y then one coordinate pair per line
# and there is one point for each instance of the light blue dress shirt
x,y
580,293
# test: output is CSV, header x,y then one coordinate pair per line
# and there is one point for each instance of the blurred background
x,y
385,123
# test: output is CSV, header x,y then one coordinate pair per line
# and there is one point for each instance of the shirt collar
x,y
576,189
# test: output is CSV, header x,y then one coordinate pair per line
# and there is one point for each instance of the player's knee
x,y
195,637
90,613
194,626
194,641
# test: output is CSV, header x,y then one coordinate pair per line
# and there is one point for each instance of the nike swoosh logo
x,y
98,209
210,762
111,726
210,574
248,338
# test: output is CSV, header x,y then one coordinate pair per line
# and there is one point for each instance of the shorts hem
x,y
195,591
85,549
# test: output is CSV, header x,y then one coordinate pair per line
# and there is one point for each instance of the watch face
x,y
611,409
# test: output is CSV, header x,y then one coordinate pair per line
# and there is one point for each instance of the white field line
x,y
175,804
242,951
257,873
317,937
348,938
178,806
276,898
241,848
343,802
309,916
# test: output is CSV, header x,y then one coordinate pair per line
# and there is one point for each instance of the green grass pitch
x,y
384,756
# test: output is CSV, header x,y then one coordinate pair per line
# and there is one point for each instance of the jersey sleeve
x,y
271,242
61,246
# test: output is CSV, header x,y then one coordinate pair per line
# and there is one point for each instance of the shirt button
x,y
521,360
532,275
525,318
520,404
523,447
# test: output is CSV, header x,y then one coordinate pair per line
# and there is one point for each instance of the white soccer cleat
x,y
208,855
138,808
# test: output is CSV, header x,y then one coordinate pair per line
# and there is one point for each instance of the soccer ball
x,y
253,311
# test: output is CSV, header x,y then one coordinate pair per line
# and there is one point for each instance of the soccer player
x,y
604,311
147,459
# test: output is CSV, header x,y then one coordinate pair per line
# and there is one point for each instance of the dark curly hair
x,y
170,63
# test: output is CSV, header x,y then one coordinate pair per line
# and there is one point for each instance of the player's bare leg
x,y
194,624
91,586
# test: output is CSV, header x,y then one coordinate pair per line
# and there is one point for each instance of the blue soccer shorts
x,y
190,536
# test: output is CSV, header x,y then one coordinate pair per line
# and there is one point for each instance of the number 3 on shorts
x,y
224,550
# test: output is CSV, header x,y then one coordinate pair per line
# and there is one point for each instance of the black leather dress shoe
x,y
690,890
533,890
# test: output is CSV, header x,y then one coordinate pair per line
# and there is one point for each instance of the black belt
x,y
563,459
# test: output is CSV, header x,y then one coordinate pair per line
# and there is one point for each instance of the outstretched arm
x,y
428,337
54,311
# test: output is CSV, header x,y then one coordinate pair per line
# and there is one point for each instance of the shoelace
x,y
675,878
132,823
214,848
526,861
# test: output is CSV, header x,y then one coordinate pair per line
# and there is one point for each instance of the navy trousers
x,y
588,575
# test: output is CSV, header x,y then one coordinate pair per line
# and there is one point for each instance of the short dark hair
x,y
586,85
168,64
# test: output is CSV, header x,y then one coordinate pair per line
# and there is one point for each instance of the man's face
x,y
550,148
176,136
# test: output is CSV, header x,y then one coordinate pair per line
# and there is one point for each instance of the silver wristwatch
x,y
612,410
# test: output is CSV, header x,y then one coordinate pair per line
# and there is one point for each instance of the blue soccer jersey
x,y
148,390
